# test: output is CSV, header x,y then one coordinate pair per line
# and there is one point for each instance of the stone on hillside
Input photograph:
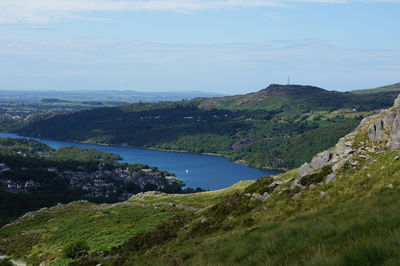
x,y
339,148
288,180
294,184
395,132
320,160
396,158
263,197
348,143
348,150
397,102
322,193
390,186
330,178
355,163
266,195
312,186
296,195
305,169
338,165
275,183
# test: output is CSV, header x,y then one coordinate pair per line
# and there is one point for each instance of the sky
x,y
222,46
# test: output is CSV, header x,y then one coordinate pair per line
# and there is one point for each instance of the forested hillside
x,y
33,175
279,127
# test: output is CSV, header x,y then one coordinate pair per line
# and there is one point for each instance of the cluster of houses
x,y
100,183
15,186
105,183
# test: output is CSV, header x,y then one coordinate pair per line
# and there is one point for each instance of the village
x,y
118,183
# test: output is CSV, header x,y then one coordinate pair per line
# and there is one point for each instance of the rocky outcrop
x,y
381,131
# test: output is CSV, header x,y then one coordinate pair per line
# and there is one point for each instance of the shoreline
x,y
280,170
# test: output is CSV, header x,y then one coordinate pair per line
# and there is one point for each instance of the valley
x,y
278,128
339,208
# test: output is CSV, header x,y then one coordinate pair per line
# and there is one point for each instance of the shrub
x,y
261,185
316,177
76,249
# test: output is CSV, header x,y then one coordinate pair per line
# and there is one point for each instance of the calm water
x,y
205,171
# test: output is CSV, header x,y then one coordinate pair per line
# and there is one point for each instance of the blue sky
x,y
225,46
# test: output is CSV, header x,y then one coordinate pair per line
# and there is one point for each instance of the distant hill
x,y
107,96
388,88
278,127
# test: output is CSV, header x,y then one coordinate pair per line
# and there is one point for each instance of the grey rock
x,y
312,186
263,197
396,158
294,184
305,169
266,195
322,193
348,150
288,180
355,163
390,186
348,143
338,165
296,195
339,147
320,160
275,183
397,102
330,178
395,132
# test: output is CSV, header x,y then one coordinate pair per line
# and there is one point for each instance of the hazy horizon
x,y
223,46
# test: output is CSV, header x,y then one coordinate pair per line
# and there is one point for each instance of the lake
x,y
205,171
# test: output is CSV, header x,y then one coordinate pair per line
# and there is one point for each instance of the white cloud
x,y
38,11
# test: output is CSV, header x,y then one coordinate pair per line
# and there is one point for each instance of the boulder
x,y
397,102
340,147
395,132
330,178
305,169
320,160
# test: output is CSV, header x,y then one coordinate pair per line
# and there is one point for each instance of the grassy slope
x,y
389,88
46,234
351,225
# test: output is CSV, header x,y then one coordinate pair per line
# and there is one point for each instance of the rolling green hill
x,y
383,89
341,208
279,127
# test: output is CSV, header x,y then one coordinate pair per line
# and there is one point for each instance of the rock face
x,y
382,132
